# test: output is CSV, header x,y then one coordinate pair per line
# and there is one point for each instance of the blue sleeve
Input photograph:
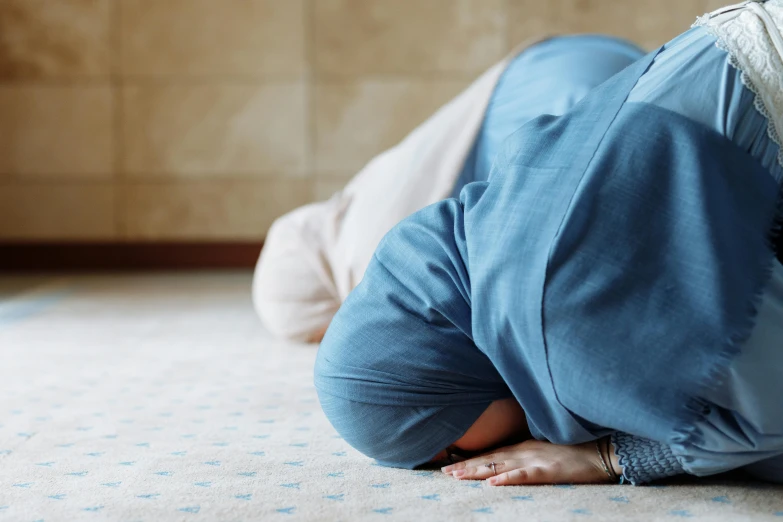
x,y
643,460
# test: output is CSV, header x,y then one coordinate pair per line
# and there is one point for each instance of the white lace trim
x,y
751,50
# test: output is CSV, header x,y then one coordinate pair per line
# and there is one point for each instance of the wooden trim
x,y
29,256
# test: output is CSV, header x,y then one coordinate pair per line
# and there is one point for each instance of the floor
x,y
160,398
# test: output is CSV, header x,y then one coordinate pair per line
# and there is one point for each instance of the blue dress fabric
x,y
549,77
748,402
694,78
615,274
644,460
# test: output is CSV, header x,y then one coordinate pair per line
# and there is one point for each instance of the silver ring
x,y
491,466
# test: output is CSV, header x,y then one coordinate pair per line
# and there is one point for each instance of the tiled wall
x,y
205,119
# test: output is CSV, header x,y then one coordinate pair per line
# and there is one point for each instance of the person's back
x,y
619,270
315,256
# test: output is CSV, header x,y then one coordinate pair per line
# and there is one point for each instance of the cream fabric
x,y
294,291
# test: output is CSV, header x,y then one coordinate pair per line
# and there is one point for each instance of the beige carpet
x,y
159,397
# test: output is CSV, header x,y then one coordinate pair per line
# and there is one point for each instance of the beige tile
x,y
712,5
357,120
649,24
214,130
408,36
55,131
212,37
54,39
208,209
57,211
324,189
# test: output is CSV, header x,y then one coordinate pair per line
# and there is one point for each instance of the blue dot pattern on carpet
x,y
162,397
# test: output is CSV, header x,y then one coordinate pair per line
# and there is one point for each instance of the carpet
x,y
160,398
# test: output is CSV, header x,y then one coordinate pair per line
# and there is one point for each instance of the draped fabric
x,y
315,256
609,272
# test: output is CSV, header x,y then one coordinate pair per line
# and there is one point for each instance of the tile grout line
x,y
117,119
74,179
311,86
161,80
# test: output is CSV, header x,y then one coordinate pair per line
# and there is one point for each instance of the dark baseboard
x,y
27,257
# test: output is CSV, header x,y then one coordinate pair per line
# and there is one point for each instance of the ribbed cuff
x,y
644,460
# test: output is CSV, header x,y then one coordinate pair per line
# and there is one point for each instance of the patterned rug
x,y
160,398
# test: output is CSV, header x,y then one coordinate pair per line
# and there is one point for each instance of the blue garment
x,y
608,271
644,460
748,403
547,78
694,78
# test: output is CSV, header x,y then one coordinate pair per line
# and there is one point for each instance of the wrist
x,y
614,460
610,459
595,452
